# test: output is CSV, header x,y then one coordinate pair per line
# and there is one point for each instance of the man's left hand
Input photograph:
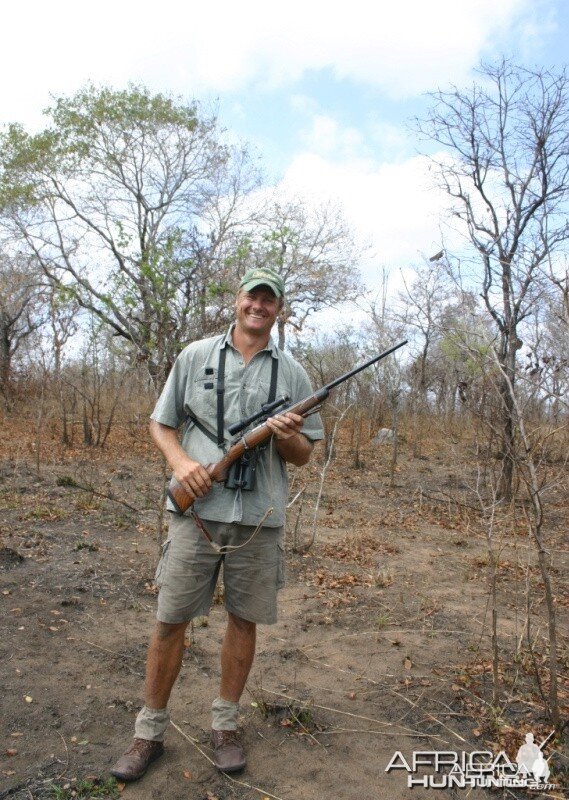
x,y
285,425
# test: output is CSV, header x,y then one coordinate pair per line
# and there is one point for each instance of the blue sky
x,y
322,91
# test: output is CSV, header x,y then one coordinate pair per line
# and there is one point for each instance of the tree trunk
x,y
5,356
507,444
506,390
281,330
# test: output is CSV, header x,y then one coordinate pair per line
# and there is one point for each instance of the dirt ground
x,y
383,642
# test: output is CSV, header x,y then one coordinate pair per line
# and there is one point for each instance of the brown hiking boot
x,y
228,755
136,759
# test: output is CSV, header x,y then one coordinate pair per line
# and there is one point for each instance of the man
x,y
214,383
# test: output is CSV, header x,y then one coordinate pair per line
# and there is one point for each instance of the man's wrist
x,y
289,438
179,460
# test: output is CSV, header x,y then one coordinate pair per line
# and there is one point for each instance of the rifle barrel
x,y
345,377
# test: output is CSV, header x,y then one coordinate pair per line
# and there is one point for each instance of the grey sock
x,y
151,724
224,714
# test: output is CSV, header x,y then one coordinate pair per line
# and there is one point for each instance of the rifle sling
x,y
224,550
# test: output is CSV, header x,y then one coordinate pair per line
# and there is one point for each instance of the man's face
x,y
257,310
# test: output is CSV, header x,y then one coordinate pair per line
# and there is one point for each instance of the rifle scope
x,y
265,411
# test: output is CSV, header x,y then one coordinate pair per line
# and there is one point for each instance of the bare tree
x,y
315,253
422,303
383,328
508,179
98,380
528,461
326,357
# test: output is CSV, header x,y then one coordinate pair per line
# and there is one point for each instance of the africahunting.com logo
x,y
443,769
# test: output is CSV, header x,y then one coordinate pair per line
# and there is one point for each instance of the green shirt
x,y
191,391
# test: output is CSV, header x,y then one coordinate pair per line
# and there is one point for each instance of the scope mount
x,y
265,411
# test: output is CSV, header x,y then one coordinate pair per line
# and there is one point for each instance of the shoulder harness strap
x,y
274,375
220,438
220,399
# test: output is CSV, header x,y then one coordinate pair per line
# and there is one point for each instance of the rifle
x,y
182,500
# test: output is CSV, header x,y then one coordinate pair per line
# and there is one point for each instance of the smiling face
x,y
256,311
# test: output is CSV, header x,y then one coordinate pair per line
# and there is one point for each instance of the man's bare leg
x,y
163,662
237,654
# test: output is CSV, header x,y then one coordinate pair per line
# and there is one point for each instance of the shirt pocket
x,y
203,399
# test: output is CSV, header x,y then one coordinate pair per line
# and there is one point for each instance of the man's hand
x,y
193,476
292,445
285,425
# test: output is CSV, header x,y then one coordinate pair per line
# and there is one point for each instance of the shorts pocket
x,y
162,564
281,566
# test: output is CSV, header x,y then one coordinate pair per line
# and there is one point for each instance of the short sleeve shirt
x,y
190,393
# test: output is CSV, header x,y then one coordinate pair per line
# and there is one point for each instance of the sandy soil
x,y
382,645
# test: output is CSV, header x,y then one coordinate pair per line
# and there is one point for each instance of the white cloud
x,y
327,137
403,48
388,139
395,207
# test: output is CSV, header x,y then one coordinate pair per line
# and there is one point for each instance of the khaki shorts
x,y
188,570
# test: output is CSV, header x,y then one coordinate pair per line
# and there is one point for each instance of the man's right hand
x,y
190,474
193,476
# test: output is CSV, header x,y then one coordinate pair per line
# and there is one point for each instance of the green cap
x,y
263,276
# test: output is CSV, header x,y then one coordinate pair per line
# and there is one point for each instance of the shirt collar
x,y
271,346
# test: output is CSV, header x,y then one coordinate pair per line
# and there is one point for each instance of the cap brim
x,y
250,285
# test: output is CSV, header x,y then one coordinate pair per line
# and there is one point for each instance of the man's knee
x,y
168,632
243,626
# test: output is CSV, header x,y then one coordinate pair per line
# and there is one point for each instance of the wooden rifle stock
x,y
182,500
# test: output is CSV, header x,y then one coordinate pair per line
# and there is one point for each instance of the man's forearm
x,y
292,445
166,440
296,450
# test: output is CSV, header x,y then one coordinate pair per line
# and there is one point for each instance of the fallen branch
x,y
429,716
227,777
409,731
60,776
71,483
445,499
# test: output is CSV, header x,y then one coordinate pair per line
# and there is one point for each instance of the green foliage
x,y
22,159
133,207
218,289
453,350
92,108
110,198
277,242
91,548
66,480
86,789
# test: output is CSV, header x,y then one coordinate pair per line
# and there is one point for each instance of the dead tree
x,y
508,181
